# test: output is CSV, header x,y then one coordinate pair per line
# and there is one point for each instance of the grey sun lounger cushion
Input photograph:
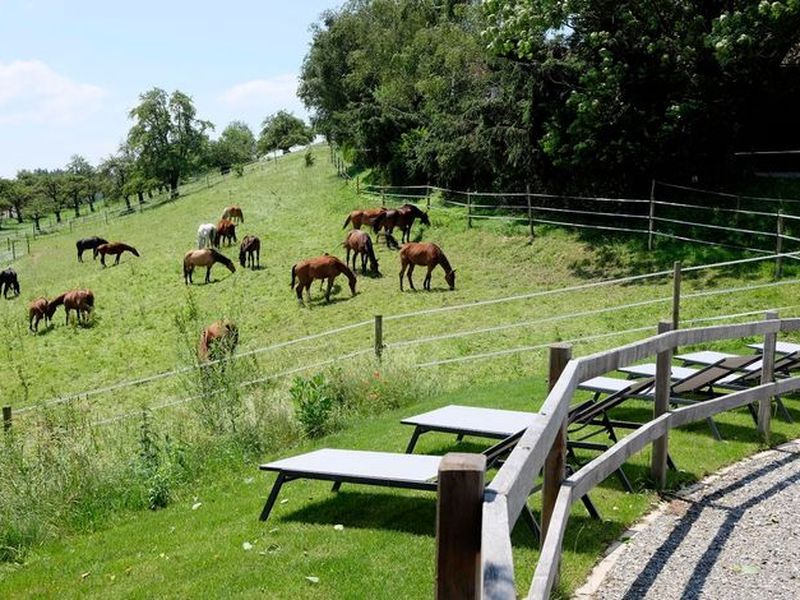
x,y
780,347
649,370
710,357
471,420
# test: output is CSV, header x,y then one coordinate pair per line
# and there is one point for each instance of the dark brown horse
x,y
360,243
425,255
89,243
114,249
250,251
321,267
81,301
9,282
204,258
37,310
217,341
233,213
363,217
402,218
226,230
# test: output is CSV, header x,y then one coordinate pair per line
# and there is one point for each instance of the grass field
x,y
386,547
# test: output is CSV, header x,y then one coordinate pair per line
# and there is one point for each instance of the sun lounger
x,y
385,469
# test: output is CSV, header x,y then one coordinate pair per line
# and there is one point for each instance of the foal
x,y
363,217
37,310
427,255
234,213
81,301
250,251
217,340
321,267
361,244
114,249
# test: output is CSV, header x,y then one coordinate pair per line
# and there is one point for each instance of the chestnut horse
x,y
402,218
81,301
321,267
217,340
425,255
205,257
37,310
363,217
115,249
89,243
233,213
226,230
361,244
250,251
9,281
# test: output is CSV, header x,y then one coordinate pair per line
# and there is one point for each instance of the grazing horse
x,y
425,255
89,243
363,217
114,249
81,301
250,251
233,213
321,267
403,218
37,310
226,230
9,281
361,244
217,340
205,257
206,235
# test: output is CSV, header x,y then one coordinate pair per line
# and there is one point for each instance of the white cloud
x,y
32,92
268,95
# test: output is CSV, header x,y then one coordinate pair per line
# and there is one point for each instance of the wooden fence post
x,y
779,246
358,186
530,210
767,376
105,214
378,336
676,294
459,513
469,210
658,462
70,225
13,249
6,418
28,242
652,213
383,203
555,463
428,196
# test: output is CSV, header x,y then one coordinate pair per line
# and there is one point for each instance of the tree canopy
x,y
282,131
236,146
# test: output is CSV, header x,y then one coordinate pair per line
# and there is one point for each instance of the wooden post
x,y
555,463
105,214
658,462
6,418
13,249
358,186
767,376
779,246
459,513
676,294
70,225
28,243
428,195
530,210
383,203
469,209
652,213
378,336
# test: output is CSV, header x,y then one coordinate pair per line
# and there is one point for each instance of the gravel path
x,y
736,535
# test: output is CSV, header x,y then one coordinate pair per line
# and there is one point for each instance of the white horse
x,y
206,235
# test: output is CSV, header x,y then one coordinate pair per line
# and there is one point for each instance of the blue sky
x,y
71,71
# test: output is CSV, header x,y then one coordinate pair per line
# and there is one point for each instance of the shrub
x,y
310,158
316,402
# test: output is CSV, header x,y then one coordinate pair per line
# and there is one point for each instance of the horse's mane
x,y
130,249
220,257
444,262
415,210
343,268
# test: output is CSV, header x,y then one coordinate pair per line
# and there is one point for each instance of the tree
x,y
236,146
282,131
117,171
53,186
167,137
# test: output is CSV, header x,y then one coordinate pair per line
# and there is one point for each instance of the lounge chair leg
x,y
590,508
413,441
273,495
787,416
752,410
460,437
623,479
607,424
714,430
336,486
671,463
528,517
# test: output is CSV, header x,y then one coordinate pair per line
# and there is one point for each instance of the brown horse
x,y
226,230
363,217
233,213
361,244
218,340
204,258
81,301
115,249
425,255
37,310
321,267
402,218
250,251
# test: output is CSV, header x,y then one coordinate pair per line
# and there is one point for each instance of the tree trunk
x,y
18,213
150,194
140,193
173,187
128,202
76,205
58,215
36,219
90,201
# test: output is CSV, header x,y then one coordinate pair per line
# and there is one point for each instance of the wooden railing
x,y
543,447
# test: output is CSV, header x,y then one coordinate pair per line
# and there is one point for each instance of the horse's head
x,y
423,217
353,286
450,278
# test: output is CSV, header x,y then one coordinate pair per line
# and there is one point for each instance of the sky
x,y
70,71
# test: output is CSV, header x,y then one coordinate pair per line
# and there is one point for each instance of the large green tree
x,y
236,146
282,131
167,137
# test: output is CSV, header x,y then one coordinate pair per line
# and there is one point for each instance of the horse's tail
x,y
347,221
294,272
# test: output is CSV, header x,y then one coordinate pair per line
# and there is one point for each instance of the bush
x,y
316,402
310,159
